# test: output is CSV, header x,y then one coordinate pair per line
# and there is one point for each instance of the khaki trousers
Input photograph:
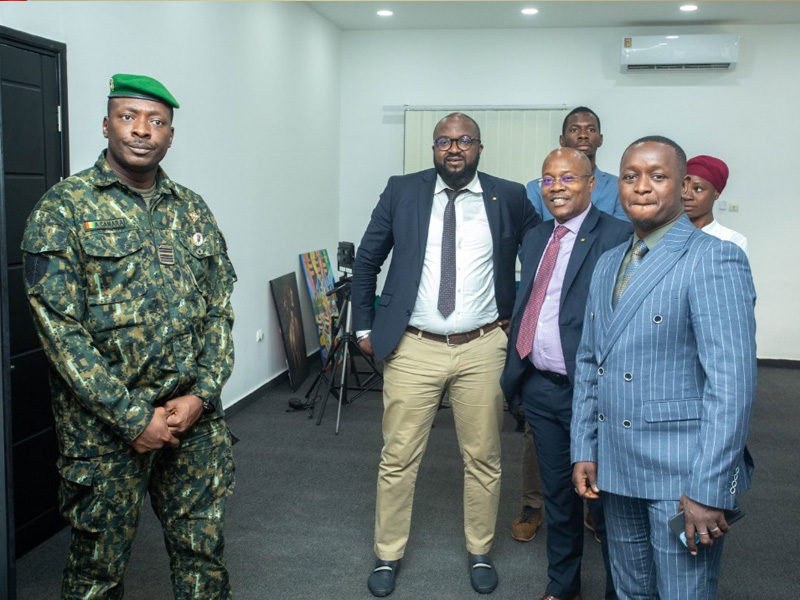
x,y
414,379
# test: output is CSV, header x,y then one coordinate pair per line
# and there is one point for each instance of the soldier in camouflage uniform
x,y
130,284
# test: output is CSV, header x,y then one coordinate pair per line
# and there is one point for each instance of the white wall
x,y
748,117
256,133
267,88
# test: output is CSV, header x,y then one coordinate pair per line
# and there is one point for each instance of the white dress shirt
x,y
475,298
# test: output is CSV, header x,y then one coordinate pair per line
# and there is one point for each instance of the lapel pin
x,y
583,239
494,198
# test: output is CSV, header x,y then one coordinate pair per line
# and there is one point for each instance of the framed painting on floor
x,y
290,319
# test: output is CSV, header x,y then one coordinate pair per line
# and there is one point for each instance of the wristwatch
x,y
208,405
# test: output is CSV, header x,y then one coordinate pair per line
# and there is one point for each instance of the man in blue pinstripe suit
x,y
664,385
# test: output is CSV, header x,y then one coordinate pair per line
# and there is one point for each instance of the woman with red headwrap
x,y
708,178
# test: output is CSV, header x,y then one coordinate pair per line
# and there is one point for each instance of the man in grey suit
x,y
664,387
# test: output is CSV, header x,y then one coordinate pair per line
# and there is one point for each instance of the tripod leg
x,y
343,385
314,387
331,360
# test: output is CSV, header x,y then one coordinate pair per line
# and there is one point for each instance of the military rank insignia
x,y
166,254
198,239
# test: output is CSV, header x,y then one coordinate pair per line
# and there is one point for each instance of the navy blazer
x,y
400,224
665,382
598,233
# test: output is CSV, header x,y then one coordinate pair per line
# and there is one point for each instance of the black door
x,y
34,157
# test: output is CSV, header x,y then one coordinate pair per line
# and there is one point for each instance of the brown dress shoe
x,y
549,597
525,526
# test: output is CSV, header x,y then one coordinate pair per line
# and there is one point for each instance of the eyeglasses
x,y
546,182
464,142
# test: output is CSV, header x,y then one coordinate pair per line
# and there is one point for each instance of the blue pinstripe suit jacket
x,y
665,382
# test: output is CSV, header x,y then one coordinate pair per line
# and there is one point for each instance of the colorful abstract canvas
x,y
320,281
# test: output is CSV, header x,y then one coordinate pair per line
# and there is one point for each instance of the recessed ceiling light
x,y
529,11
672,37
688,7
385,13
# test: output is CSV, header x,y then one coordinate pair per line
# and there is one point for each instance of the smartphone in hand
x,y
678,523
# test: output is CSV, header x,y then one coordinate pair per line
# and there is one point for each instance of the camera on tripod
x,y
345,259
344,348
346,256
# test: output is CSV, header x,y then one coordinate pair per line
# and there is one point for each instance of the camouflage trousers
x,y
102,498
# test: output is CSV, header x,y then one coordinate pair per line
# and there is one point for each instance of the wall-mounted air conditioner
x,y
714,52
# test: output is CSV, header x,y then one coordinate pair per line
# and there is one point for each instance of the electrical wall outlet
x,y
733,207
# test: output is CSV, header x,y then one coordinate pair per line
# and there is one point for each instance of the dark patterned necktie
x,y
447,284
639,250
527,329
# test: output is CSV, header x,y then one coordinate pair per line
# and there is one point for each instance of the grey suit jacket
x,y
665,382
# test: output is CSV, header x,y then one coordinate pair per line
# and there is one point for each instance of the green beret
x,y
140,86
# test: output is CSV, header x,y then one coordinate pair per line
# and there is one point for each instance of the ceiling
x,y
361,15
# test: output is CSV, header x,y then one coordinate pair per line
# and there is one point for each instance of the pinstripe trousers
x,y
647,560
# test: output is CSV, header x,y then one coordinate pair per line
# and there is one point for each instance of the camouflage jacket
x,y
132,304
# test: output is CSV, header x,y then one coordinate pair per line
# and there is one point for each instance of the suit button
x,y
600,370
657,319
626,424
408,312
601,417
627,377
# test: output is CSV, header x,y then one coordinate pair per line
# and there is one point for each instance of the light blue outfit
x,y
605,196
664,391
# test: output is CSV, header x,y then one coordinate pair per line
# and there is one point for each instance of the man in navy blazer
x,y
664,386
540,375
454,234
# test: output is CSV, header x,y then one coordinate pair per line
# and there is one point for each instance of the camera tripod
x,y
343,348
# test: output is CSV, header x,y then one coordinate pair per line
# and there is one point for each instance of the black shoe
x,y
381,580
482,574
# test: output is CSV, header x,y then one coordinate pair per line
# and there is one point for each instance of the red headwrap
x,y
709,168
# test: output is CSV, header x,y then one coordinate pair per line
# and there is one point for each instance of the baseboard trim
x,y
241,404
778,363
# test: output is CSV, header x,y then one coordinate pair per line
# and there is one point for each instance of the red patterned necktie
x,y
447,283
530,317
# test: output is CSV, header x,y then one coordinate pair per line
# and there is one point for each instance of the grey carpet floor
x,y
300,522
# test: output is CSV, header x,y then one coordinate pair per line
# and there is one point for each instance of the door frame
x,y
25,41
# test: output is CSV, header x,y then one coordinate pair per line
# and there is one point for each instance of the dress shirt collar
x,y
575,223
473,186
652,238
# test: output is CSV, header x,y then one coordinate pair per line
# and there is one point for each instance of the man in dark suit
x,y
664,385
450,290
558,258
